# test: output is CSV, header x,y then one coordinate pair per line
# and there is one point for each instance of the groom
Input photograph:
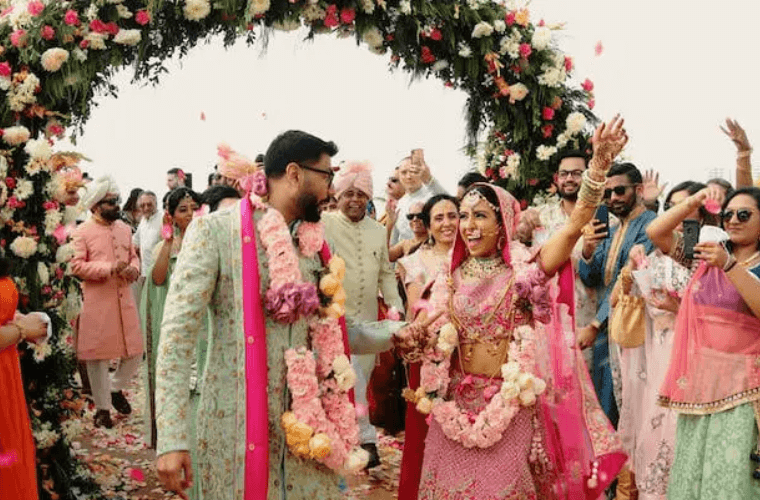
x,y
210,274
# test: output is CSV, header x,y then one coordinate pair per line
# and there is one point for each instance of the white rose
x,y
357,460
513,162
195,10
424,405
341,363
39,149
544,153
500,26
541,38
539,386
123,11
482,29
405,7
525,381
97,41
509,391
368,6
53,59
128,37
16,135
41,351
346,379
527,398
510,371
79,54
24,247
53,219
24,189
440,65
373,37
43,273
449,334
464,50
258,7
575,122
312,13
518,92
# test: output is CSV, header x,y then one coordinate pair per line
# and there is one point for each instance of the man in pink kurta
x,y
109,327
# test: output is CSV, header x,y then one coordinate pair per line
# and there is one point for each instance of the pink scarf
x,y
715,365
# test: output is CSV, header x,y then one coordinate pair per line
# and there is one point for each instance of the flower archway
x,y
55,56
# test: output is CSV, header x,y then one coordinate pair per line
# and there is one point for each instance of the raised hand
x,y
608,141
736,133
652,187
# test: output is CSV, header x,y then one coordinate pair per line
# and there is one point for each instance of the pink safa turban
x,y
354,175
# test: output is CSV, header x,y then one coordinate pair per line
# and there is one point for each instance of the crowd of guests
x,y
663,306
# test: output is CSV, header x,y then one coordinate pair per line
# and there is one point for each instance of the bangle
x,y
744,154
21,333
730,263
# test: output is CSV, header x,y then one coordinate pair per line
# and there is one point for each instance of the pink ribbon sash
x,y
257,402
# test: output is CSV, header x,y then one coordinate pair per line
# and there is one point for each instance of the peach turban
x,y
354,175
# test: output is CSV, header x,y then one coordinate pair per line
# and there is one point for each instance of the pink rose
x,y
18,38
98,26
331,20
510,19
568,64
435,34
142,17
591,103
547,113
71,17
5,69
525,50
347,15
84,44
47,32
587,85
35,8
547,130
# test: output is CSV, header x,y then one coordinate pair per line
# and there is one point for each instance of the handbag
x,y
628,325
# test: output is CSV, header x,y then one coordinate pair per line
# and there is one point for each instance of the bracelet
x,y
730,263
21,333
591,191
744,154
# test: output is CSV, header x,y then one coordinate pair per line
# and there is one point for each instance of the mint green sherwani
x,y
209,273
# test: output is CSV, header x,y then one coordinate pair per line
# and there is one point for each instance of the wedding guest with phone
x,y
419,185
712,379
603,259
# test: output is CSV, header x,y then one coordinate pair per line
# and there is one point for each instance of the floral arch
x,y
57,55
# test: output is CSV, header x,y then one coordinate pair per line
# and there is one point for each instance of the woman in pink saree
x,y
511,408
713,379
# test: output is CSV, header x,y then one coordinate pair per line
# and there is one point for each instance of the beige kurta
x,y
209,273
364,247
109,327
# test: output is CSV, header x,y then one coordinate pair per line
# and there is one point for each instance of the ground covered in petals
x,y
124,466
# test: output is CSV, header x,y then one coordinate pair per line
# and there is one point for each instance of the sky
x,y
674,69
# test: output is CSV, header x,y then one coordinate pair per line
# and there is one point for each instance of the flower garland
x,y
322,422
519,387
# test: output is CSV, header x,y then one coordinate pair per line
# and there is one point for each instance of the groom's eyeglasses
x,y
330,174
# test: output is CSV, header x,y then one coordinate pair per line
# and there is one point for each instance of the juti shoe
x,y
103,419
120,403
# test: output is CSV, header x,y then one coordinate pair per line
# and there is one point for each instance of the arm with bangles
x,y
609,140
736,133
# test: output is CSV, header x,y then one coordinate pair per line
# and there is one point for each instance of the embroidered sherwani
x,y
209,273
601,272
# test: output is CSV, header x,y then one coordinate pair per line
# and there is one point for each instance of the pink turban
x,y
356,175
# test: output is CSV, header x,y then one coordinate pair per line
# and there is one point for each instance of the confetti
x,y
203,116
599,48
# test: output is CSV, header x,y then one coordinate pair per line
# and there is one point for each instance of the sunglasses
x,y
393,180
329,173
742,215
110,201
618,190
411,217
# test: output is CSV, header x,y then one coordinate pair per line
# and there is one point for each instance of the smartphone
x,y
603,215
690,237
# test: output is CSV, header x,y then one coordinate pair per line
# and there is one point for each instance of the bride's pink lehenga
x,y
563,447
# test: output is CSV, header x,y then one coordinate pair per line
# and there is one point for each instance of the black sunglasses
x,y
329,173
618,190
743,215
411,217
110,201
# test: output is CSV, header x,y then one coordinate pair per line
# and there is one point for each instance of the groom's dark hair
x,y
294,146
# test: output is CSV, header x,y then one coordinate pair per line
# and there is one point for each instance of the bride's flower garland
x,y
322,422
519,387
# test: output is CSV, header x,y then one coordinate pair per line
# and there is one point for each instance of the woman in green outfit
x,y
713,379
181,205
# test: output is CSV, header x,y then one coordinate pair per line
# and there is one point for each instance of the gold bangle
x,y
21,333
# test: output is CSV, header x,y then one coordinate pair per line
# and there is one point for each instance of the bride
x,y
513,413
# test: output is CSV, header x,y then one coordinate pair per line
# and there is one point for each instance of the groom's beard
x,y
308,205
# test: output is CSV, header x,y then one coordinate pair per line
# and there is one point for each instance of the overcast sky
x,y
674,69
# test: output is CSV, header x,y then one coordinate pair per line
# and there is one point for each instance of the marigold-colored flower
x,y
522,17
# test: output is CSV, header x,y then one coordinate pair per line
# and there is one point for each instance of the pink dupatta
x,y
257,383
715,365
